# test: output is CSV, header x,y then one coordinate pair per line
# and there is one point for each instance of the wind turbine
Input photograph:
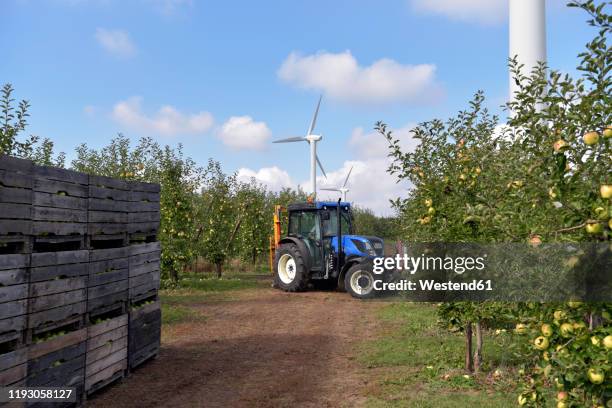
x,y
312,139
342,189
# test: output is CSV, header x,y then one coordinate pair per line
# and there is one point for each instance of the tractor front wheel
x,y
290,272
359,281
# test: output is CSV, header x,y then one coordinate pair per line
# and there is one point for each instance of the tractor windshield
x,y
330,224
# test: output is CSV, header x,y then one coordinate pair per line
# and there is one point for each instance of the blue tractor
x,y
320,248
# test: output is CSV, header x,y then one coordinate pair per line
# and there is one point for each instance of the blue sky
x,y
226,77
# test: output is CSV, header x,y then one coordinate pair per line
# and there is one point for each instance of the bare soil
x,y
262,348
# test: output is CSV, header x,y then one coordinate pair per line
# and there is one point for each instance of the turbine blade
x,y
321,166
347,177
314,118
330,189
290,140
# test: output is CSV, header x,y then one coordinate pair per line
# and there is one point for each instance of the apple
x,y
520,328
560,145
605,190
559,315
562,396
595,341
425,220
535,240
567,329
593,228
590,138
607,133
541,343
462,177
547,330
551,193
477,170
574,304
562,404
546,356
428,202
607,341
431,211
579,326
596,376
522,400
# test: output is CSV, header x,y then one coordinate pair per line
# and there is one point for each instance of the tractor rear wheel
x,y
290,272
359,281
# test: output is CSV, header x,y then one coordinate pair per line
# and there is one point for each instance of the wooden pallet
x,y
108,279
144,333
59,202
57,291
58,362
13,367
15,203
144,271
13,300
107,206
107,347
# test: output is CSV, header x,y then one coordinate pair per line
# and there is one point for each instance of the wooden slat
x,y
22,227
136,196
107,216
43,303
142,186
105,374
13,293
14,164
13,309
59,214
107,326
106,361
148,267
45,288
13,276
98,204
58,174
57,343
58,228
14,261
60,188
108,182
108,193
51,317
16,195
59,201
15,211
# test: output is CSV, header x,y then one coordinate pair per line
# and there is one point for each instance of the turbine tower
x,y
343,190
312,139
527,36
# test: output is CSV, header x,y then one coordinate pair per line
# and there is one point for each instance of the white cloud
x,y
487,12
116,42
272,177
167,121
169,7
374,145
341,77
242,132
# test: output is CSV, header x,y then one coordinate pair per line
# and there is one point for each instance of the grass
x,y
179,303
417,364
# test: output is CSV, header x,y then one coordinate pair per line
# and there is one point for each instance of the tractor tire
x,y
359,281
290,272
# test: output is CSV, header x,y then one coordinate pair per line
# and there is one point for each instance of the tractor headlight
x,y
365,247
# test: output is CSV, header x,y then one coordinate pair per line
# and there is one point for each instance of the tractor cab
x,y
320,248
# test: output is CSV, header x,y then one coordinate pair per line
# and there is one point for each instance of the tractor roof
x,y
317,205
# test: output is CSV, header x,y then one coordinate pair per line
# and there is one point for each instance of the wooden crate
x,y
15,199
13,367
13,300
57,291
144,271
59,205
58,362
108,280
107,348
144,333
143,215
107,208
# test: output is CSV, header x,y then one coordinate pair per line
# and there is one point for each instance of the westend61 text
x,y
431,285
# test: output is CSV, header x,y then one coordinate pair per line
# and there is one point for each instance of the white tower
x,y
527,35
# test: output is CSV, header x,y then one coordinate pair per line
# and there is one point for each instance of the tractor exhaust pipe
x,y
339,249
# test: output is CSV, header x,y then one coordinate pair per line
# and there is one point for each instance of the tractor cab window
x,y
330,222
305,224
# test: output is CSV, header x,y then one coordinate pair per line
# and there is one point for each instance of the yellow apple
x,y
547,330
607,341
431,211
596,376
607,133
593,228
535,240
574,304
520,328
428,202
567,329
559,315
560,145
590,138
522,400
541,343
605,190
562,404
595,341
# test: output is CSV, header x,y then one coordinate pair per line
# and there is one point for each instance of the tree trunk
x,y
478,353
174,275
469,362
219,269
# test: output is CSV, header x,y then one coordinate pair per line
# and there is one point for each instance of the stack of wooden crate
x,y
79,277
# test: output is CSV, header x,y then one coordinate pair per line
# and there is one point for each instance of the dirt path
x,y
264,349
